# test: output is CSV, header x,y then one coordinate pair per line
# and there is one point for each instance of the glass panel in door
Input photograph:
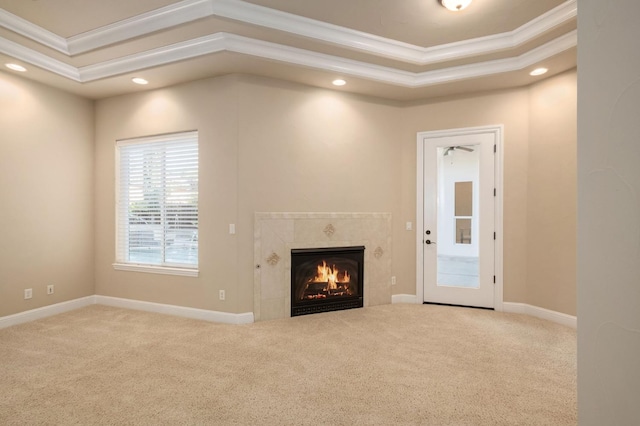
x,y
457,216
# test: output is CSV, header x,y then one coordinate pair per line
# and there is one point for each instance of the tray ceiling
x,y
399,50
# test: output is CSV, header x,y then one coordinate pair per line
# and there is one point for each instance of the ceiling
x,y
401,50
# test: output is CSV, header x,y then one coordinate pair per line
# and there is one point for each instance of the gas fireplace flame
x,y
331,275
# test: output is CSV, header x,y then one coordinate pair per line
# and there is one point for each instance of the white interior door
x,y
458,250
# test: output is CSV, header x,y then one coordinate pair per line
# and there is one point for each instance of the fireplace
x,y
326,279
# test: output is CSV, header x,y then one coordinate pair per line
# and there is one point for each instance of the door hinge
x,y
494,192
495,148
494,235
494,279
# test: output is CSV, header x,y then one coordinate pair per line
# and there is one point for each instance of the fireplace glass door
x,y
326,279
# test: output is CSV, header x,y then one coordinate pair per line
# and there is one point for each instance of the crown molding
x,y
222,42
190,10
389,48
310,28
545,22
321,61
156,57
483,69
38,59
32,31
504,41
139,25
552,48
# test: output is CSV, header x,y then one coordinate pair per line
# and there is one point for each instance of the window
x,y
157,204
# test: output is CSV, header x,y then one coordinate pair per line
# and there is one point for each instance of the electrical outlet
x,y
50,289
28,293
222,295
393,280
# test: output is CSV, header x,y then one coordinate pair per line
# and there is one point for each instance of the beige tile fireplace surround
x,y
277,233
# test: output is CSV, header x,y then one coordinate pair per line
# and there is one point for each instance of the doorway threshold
x,y
458,306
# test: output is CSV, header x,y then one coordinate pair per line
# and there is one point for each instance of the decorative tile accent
x,y
329,230
273,259
378,252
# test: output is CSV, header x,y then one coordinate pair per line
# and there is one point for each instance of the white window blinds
x,y
157,201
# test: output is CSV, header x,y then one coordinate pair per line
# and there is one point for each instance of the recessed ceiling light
x,y
139,80
339,82
455,5
538,71
16,67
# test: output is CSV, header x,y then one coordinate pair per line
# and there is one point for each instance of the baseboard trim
x,y
46,311
542,313
404,298
511,307
180,311
229,318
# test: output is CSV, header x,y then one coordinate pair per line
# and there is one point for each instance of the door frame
x,y
498,132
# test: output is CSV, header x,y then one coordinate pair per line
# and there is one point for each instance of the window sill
x,y
156,269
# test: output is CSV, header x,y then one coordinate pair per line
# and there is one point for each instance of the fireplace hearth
x,y
326,279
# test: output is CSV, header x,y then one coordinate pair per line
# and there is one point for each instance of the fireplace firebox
x,y
326,279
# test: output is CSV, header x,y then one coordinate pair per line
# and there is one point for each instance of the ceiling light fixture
x,y
339,82
538,71
16,67
455,5
139,80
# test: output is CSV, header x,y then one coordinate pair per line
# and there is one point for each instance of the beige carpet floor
x,y
385,365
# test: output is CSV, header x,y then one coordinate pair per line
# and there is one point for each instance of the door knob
x,y
430,242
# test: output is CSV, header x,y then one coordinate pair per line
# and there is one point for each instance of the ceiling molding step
x,y
190,10
318,30
258,48
389,48
221,42
38,59
483,69
321,61
552,48
136,26
201,46
545,22
503,41
33,32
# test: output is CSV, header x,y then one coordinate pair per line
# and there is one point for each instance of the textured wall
x,y
608,213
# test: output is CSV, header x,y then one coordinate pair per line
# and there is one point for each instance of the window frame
x,y
166,268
